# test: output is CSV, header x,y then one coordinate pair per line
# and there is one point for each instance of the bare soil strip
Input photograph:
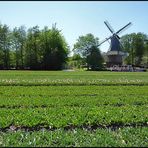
x,y
83,84
94,127
59,106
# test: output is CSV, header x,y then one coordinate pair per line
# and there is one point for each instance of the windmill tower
x,y
115,54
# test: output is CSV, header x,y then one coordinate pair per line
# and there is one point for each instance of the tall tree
x,y
127,42
138,45
32,47
95,59
87,47
22,40
134,44
55,49
18,44
1,48
5,46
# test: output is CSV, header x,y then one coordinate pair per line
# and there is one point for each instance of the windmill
x,y
115,54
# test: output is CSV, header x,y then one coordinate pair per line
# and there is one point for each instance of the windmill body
x,y
115,54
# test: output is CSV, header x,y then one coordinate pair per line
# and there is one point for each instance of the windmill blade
x,y
109,27
123,28
104,40
118,37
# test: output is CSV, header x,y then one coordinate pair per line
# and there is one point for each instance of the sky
x,y
76,18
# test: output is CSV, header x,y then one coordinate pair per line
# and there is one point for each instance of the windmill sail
x,y
104,40
109,26
124,28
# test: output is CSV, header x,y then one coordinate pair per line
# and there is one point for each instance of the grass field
x,y
63,108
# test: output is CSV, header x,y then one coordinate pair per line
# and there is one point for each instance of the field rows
x,y
73,108
58,106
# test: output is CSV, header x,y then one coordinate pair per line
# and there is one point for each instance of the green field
x,y
80,108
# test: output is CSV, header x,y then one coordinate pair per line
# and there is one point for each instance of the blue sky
x,y
78,17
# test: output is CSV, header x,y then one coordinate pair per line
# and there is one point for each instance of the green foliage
x,y
76,61
35,49
86,46
126,137
145,55
4,47
95,59
135,45
18,40
32,48
46,49
55,49
83,44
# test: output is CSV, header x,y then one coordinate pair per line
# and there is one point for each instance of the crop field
x,y
73,108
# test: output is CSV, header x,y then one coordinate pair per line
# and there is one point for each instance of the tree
x,y
126,41
135,46
95,59
55,49
18,45
4,47
22,40
32,48
45,49
87,47
145,56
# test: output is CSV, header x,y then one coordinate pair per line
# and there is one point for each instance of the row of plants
x,y
60,117
28,78
80,96
125,137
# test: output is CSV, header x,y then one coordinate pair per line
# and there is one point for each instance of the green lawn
x,y
59,108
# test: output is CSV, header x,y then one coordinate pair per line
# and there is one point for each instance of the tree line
x,y
47,49
32,49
